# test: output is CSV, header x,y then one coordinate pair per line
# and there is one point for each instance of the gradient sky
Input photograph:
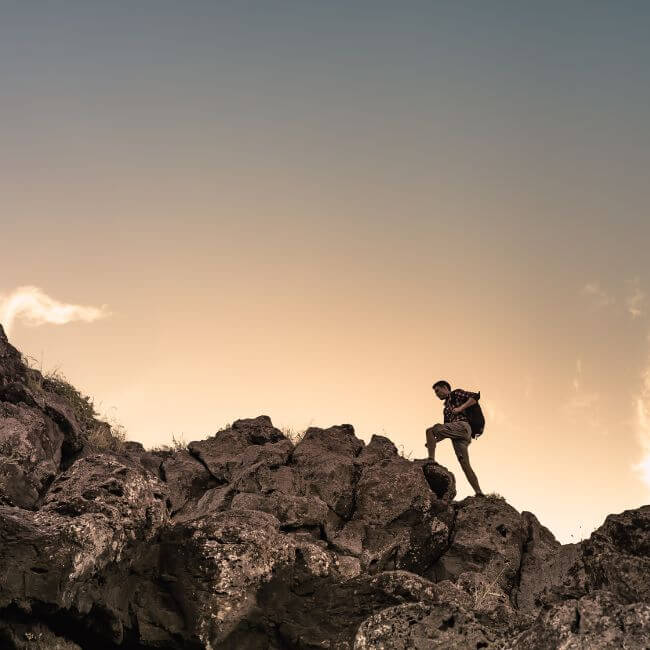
x,y
313,210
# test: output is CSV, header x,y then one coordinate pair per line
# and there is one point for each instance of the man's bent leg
x,y
432,439
462,453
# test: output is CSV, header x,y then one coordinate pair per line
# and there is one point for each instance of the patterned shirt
x,y
456,398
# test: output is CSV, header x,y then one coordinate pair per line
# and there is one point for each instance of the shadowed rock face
x,y
247,540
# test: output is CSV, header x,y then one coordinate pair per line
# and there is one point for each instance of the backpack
x,y
476,419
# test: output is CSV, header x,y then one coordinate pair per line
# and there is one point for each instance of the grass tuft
x,y
485,583
177,444
293,434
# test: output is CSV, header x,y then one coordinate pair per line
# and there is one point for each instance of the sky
x,y
314,210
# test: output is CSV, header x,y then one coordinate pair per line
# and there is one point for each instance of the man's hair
x,y
442,382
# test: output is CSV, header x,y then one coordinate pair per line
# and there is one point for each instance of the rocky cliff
x,y
247,540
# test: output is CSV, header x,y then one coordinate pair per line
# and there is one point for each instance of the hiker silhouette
x,y
456,427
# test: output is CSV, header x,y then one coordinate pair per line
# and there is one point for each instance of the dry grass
x,y
54,381
485,583
293,434
403,455
102,431
177,444
108,435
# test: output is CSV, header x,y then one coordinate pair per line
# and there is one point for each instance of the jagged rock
x,y
24,635
247,541
398,522
78,551
22,385
423,626
262,469
74,436
439,478
291,511
539,552
311,611
30,454
214,500
379,448
151,460
50,404
219,562
228,450
489,536
12,367
597,621
188,479
615,558
325,460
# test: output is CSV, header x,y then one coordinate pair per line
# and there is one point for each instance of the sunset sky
x,y
314,210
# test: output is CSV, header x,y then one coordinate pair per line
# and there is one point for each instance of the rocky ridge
x,y
247,540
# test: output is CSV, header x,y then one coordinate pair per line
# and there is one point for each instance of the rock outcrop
x,y
247,540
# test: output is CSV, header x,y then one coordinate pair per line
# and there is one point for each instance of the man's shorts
x,y
459,431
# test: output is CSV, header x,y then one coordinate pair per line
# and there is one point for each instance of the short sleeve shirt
x,y
455,399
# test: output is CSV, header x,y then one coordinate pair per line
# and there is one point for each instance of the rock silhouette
x,y
247,540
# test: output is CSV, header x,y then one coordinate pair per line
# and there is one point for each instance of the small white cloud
x,y
600,297
34,307
635,298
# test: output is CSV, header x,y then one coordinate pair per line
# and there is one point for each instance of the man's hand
x,y
462,407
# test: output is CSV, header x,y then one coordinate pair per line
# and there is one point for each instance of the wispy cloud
x,y
582,404
635,298
528,386
643,421
34,307
494,413
599,296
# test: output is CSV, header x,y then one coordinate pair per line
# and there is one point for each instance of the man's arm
x,y
470,398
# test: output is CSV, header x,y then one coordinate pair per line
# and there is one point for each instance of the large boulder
x,y
325,460
20,633
235,448
30,454
539,553
441,481
429,616
398,522
12,367
615,558
290,510
489,537
218,563
80,551
187,478
597,621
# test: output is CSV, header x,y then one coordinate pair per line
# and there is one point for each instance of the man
x,y
456,427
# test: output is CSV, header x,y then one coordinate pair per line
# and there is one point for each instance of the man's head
x,y
442,389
